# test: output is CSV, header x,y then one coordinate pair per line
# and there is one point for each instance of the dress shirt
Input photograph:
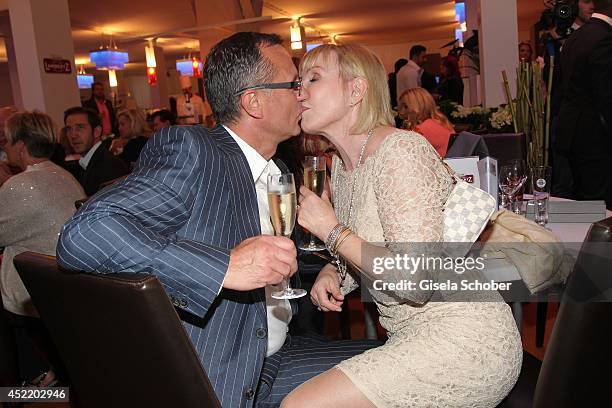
x,y
278,310
603,17
84,161
107,128
408,77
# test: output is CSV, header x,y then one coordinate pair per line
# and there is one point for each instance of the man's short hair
x,y
92,116
164,115
93,84
416,50
35,129
234,64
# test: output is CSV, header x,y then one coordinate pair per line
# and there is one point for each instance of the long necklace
x,y
341,264
352,199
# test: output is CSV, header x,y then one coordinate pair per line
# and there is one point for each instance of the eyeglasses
x,y
294,85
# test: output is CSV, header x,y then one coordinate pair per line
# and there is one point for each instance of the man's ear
x,y
251,103
358,87
97,133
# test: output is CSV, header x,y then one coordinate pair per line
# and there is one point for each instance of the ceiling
x,y
367,22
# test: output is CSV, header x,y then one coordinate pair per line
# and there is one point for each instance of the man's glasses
x,y
295,85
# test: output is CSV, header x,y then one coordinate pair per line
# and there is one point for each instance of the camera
x,y
561,16
565,12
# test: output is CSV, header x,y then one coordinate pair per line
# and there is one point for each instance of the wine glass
x,y
282,202
511,179
314,180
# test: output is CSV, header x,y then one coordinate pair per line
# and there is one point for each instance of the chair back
x,y
467,144
506,147
576,369
118,335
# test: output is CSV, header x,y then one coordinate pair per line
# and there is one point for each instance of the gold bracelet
x,y
343,236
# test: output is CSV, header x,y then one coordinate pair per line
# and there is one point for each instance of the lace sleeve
x,y
411,186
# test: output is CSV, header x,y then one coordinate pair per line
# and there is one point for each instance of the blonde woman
x,y
420,113
133,134
34,204
389,186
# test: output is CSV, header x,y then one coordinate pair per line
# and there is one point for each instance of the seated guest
x,y
451,84
195,214
97,165
35,204
132,135
420,113
163,118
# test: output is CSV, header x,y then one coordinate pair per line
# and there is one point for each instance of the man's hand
x,y
260,261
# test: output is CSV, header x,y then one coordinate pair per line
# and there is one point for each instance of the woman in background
x,y
35,204
451,85
420,113
133,134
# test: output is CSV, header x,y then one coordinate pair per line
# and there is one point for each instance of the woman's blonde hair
x,y
421,106
355,61
138,122
35,129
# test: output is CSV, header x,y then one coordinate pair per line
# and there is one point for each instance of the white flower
x,y
502,117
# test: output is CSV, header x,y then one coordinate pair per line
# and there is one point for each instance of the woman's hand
x,y
325,293
117,146
316,214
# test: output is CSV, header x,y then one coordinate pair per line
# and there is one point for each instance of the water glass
x,y
540,184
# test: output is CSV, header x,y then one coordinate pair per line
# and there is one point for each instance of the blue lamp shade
x,y
185,67
107,59
85,81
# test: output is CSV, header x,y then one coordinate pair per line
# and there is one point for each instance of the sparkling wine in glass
x,y
315,174
282,203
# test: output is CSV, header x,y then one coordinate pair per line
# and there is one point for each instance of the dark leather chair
x,y
577,366
467,144
506,147
119,336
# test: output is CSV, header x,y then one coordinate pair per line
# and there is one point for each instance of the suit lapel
x,y
96,157
244,198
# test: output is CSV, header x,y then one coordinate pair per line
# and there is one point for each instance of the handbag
x,y
467,211
538,255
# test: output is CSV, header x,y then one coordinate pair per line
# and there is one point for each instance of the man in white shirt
x,y
190,107
409,76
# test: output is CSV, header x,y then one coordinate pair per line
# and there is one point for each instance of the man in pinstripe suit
x,y
193,213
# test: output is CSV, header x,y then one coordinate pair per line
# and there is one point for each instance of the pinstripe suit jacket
x,y
190,199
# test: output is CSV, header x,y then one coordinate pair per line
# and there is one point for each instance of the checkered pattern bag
x,y
466,214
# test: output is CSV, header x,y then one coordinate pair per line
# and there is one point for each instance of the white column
x,y
41,29
498,39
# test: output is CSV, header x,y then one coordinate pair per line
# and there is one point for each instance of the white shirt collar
x,y
257,163
84,161
603,17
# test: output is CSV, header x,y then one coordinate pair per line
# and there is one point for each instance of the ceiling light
x,y
112,78
150,56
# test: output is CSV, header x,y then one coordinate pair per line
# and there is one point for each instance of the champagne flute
x,y
314,180
282,202
511,179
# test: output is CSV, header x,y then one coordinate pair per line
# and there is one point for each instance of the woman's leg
x,y
330,389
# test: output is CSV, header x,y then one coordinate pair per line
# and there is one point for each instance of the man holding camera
x,y
584,133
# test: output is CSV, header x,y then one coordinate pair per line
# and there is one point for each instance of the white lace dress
x,y
439,354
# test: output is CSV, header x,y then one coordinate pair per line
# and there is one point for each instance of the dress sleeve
x,y
411,187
